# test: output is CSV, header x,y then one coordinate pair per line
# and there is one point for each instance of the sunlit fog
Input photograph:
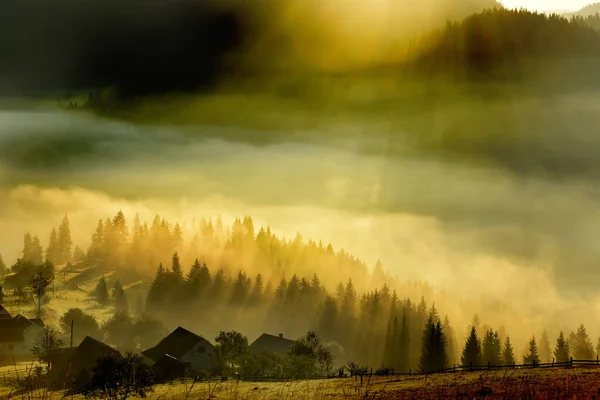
x,y
342,167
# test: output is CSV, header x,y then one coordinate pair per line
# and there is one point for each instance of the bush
x,y
118,377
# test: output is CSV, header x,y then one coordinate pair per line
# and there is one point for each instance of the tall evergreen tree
x,y
433,348
64,241
545,352
471,354
582,347
95,252
404,345
37,253
121,303
27,248
491,348
561,351
532,356
2,267
102,292
508,355
52,252
450,340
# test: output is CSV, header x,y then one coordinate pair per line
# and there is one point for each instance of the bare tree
x,y
47,345
39,286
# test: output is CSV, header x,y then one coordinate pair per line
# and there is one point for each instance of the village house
x,y
73,365
192,350
17,335
272,344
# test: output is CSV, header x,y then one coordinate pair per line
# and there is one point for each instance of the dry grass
x,y
576,383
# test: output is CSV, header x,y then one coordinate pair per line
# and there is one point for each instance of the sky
x,y
542,5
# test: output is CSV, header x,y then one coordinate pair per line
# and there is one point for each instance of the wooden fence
x,y
489,367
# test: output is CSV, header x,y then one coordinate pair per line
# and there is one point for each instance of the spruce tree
x,y
64,241
37,253
532,356
121,303
582,348
95,252
27,248
471,354
508,355
491,348
176,270
450,340
52,250
545,352
561,351
2,267
102,292
404,346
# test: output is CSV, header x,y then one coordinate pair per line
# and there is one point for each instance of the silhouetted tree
x,y
231,348
39,286
532,356
508,355
83,325
491,348
2,267
561,351
582,347
64,242
101,292
121,303
120,377
47,345
545,352
118,331
471,354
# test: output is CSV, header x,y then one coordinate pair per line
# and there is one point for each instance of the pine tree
x,y
491,348
450,340
582,347
545,352
157,292
52,253
78,254
102,292
37,253
561,351
64,242
2,267
433,348
176,270
121,304
95,252
27,248
471,354
532,356
404,346
508,355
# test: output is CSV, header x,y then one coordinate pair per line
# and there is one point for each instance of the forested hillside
x,y
507,42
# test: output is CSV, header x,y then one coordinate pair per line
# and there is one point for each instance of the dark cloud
x,y
139,46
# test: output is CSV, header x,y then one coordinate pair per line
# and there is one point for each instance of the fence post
x,y
371,371
454,367
489,365
553,362
571,362
597,359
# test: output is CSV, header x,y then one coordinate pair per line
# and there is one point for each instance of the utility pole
x,y
71,333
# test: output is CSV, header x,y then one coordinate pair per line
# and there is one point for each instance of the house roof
x,y
179,342
75,359
4,314
272,343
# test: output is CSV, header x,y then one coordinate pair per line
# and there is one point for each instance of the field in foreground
x,y
572,383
